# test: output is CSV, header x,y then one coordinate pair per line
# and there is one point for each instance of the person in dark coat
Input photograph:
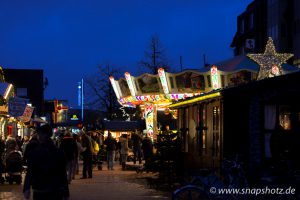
x,y
46,172
33,142
147,148
136,146
111,146
69,147
87,156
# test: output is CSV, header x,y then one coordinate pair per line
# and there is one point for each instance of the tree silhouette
x,y
99,92
155,57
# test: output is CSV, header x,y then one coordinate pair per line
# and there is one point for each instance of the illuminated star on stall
x,y
270,61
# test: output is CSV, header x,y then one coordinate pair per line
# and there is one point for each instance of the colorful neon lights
x,y
163,80
113,83
214,77
201,98
159,98
149,116
130,83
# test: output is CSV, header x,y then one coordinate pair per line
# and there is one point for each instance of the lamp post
x,y
81,97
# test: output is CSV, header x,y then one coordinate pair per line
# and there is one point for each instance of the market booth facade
x,y
118,128
155,93
243,118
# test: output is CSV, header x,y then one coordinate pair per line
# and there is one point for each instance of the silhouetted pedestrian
x,y
123,150
69,147
147,148
87,156
46,172
111,145
137,151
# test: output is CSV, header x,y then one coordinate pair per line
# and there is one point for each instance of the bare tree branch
x,y
154,56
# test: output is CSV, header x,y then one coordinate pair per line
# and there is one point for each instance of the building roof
x,y
242,62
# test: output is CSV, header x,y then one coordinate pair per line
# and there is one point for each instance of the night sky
x,y
69,39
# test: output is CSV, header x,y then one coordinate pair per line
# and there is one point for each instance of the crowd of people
x,y
52,161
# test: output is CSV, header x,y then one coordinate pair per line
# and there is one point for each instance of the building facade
x,y
251,34
258,121
278,19
28,84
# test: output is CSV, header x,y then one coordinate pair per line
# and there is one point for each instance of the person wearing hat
x,y
46,172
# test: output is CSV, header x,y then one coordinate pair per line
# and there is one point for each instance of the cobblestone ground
x,y
110,185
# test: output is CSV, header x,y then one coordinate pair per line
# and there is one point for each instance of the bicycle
x,y
190,192
200,186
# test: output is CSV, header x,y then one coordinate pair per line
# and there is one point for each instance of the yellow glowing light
x,y
8,91
268,60
201,98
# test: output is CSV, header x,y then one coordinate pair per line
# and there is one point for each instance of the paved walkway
x,y
110,185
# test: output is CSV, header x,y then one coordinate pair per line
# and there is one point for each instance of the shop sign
x,y
74,118
16,106
27,114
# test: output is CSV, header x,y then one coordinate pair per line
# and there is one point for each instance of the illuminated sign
x,y
130,83
74,117
163,80
113,83
214,77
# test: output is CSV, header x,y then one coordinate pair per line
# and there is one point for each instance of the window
x,y
242,26
271,2
22,92
285,117
283,30
242,50
274,33
216,131
204,136
201,129
251,21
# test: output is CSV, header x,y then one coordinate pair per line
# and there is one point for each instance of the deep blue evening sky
x,y
68,39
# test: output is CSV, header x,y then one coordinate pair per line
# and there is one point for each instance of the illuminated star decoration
x,y
270,61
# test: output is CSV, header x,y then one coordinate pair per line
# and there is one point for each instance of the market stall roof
x,y
122,125
242,62
288,82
